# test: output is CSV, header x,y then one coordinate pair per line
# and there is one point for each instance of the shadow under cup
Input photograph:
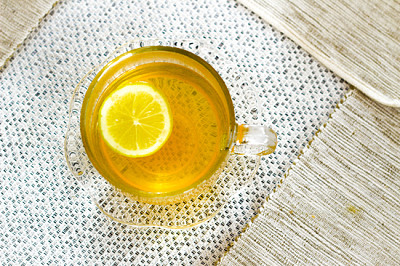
x,y
204,127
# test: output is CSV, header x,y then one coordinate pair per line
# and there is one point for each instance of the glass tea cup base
x,y
193,209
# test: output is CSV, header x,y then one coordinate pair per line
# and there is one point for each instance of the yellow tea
x,y
198,144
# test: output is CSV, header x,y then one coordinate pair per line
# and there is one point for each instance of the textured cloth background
x,y
359,40
340,202
46,218
17,19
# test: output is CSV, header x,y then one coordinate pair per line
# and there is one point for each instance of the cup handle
x,y
254,140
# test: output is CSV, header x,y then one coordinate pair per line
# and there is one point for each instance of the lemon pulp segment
x,y
135,120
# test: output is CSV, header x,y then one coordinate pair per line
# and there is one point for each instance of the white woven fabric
x,y
46,218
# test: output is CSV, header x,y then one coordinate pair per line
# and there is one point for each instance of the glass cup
x,y
237,148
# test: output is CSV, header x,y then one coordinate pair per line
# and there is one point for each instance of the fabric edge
x,y
287,173
28,33
357,83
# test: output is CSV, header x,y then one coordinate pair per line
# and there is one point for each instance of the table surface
x,y
46,217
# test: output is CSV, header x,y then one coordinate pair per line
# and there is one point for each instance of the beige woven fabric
x,y
17,19
340,202
358,40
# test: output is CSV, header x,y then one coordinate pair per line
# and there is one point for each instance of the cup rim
x,y
168,197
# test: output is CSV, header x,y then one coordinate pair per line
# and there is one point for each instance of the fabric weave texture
x,y
45,217
17,19
339,204
358,40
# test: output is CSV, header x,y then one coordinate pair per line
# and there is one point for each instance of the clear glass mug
x,y
195,60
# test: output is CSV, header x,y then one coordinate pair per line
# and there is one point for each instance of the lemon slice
x,y
135,120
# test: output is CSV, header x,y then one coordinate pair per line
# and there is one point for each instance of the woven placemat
x,y
46,218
